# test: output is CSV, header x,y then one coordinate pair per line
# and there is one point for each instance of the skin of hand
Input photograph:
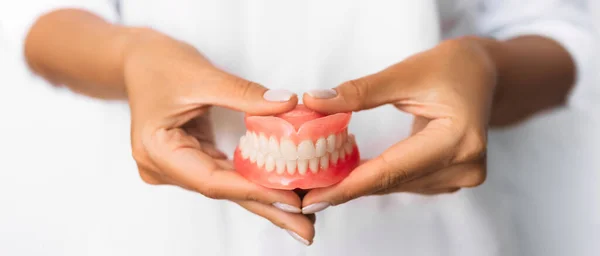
x,y
170,88
450,91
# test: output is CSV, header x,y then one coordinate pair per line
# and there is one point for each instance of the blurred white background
x,y
554,197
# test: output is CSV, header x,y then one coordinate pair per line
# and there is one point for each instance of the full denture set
x,y
298,149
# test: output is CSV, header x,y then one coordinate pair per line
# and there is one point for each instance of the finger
x,y
301,225
457,176
430,149
360,94
150,177
226,90
179,158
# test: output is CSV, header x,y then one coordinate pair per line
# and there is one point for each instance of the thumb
x,y
359,94
236,93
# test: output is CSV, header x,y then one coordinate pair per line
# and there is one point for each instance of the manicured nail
x,y
298,237
313,208
278,95
322,94
287,208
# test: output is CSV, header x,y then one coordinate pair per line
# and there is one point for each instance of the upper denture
x,y
294,124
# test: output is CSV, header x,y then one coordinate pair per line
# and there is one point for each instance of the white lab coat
x,y
76,190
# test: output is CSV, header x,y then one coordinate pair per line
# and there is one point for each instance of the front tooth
x,y
339,140
263,143
270,164
260,159
280,165
313,164
321,147
291,166
288,150
302,166
334,157
255,143
324,162
274,147
252,155
306,150
331,143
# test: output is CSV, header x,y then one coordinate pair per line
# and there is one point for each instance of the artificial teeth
x,y
334,157
270,164
339,140
291,166
280,165
331,143
302,166
321,147
324,162
263,143
274,147
260,159
288,150
313,165
306,150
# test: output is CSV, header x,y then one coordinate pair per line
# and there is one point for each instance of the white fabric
x,y
70,186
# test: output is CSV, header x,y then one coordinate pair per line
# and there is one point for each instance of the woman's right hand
x,y
171,87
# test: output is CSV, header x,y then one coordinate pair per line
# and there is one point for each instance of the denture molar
x,y
299,149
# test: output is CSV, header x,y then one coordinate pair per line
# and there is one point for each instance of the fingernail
x,y
322,94
313,208
298,237
287,207
278,95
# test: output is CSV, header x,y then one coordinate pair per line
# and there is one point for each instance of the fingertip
x,y
325,101
274,102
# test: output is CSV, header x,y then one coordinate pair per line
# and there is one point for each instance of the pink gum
x,y
310,130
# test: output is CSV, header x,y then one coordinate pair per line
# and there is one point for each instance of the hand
x,y
171,88
449,90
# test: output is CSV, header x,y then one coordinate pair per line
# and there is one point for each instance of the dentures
x,y
298,149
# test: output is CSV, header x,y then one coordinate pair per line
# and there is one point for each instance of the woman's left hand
x,y
449,89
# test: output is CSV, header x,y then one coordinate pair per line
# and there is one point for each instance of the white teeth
x,y
288,150
324,162
334,157
348,147
280,165
260,159
331,143
321,147
255,144
263,143
306,150
313,165
342,154
338,140
284,156
270,164
274,147
290,166
302,166
252,156
243,141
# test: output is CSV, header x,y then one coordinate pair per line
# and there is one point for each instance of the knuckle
x,y
359,91
474,176
244,88
148,178
474,147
